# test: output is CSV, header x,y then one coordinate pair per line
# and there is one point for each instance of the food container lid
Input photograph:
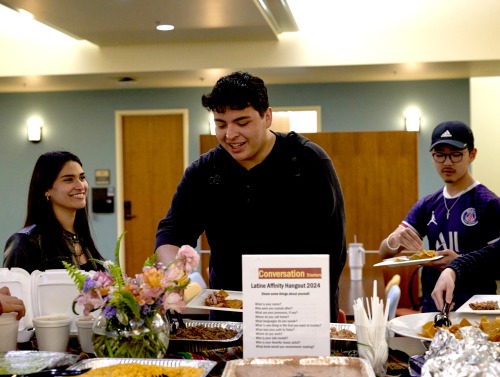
x,y
52,320
53,293
8,318
18,281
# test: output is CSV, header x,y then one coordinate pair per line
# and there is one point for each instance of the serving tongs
x,y
50,373
441,319
174,325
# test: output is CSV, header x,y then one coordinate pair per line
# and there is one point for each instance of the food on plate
x,y
341,334
490,327
428,329
421,254
204,333
484,305
143,370
218,299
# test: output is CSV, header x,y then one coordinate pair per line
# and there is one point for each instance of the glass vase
x,y
147,338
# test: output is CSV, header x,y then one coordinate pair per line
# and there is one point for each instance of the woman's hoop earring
x,y
48,198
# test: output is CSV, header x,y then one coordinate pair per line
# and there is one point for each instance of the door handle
x,y
127,205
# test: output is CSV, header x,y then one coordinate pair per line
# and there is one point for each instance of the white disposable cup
x,y
9,326
85,332
52,332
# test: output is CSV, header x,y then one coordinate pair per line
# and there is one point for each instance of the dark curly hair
x,y
237,91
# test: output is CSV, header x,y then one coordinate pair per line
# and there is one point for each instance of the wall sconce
x,y
412,119
35,129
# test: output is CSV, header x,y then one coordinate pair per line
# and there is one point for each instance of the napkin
x,y
191,291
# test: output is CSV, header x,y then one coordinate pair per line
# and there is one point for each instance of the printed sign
x,y
286,305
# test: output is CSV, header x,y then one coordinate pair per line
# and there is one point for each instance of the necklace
x,y
449,209
76,247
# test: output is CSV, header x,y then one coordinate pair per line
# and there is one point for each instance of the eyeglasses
x,y
454,156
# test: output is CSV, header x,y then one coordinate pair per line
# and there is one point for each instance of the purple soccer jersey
x,y
464,223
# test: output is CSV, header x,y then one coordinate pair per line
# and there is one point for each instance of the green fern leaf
x,y
76,275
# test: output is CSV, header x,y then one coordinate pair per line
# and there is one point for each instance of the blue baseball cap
x,y
454,133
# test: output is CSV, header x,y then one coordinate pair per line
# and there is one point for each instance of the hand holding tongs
x,y
441,319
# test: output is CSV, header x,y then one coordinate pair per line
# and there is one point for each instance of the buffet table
x,y
401,348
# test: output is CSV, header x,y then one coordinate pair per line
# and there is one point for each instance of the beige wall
x,y
485,122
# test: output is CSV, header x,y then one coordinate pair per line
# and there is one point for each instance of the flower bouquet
x,y
132,321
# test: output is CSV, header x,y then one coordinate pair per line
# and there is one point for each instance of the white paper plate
x,y
198,301
411,325
404,261
465,308
339,364
206,365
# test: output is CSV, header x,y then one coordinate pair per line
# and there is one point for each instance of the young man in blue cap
x,y
458,219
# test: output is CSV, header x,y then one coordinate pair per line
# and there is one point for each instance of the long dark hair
x,y
45,172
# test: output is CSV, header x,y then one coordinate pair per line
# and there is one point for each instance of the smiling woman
x,y
56,227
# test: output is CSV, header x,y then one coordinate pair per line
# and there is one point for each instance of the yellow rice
x,y
141,370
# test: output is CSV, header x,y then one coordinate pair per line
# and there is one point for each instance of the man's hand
x,y
11,303
443,290
166,253
404,239
448,257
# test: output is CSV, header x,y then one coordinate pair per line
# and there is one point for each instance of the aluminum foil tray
x,y
266,366
24,362
206,365
195,345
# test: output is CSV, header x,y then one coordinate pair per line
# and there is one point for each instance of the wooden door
x,y
378,172
153,164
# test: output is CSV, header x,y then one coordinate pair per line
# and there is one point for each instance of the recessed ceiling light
x,y
164,27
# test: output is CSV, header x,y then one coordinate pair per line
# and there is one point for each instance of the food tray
x,y
24,362
341,366
195,345
342,345
206,365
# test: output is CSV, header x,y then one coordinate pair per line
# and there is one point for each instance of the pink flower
x,y
188,258
174,274
102,279
90,301
173,301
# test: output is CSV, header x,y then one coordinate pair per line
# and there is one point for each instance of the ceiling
x,y
133,22
130,24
